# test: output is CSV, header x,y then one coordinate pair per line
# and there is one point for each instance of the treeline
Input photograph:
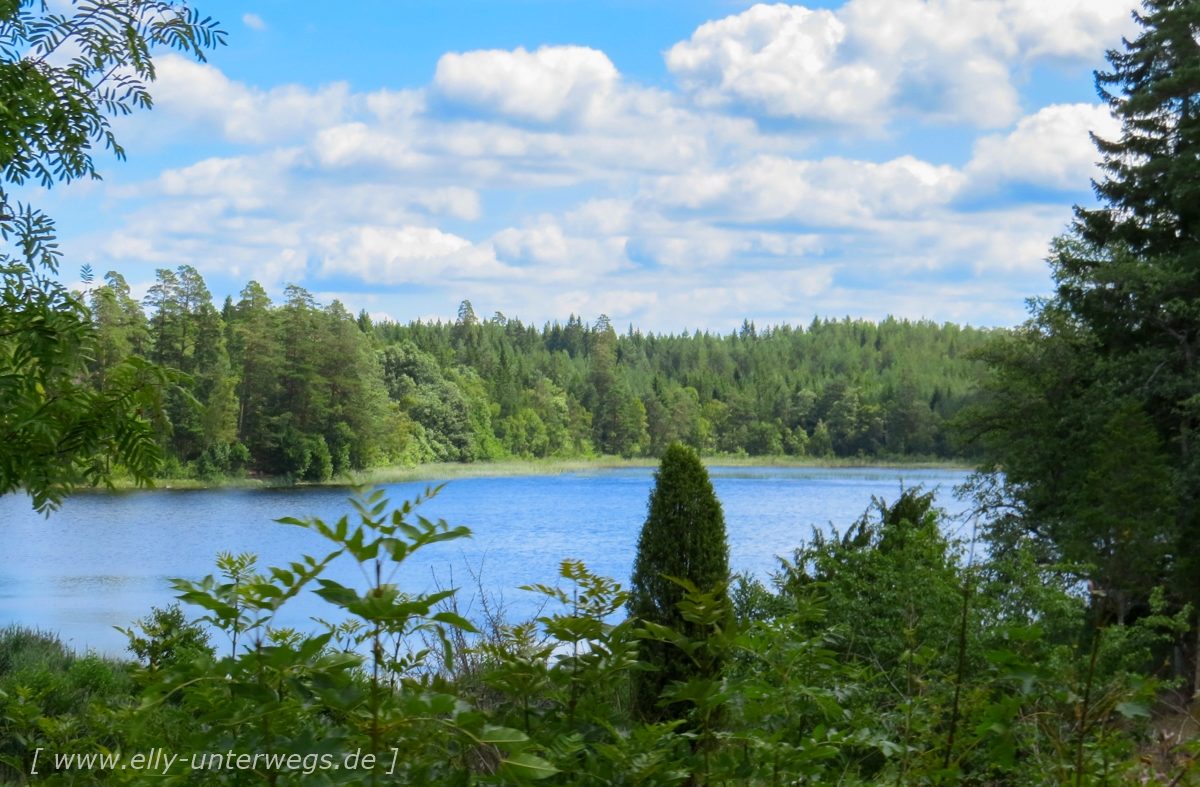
x,y
308,391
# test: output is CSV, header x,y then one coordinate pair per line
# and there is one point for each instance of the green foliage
x,y
165,637
277,380
893,575
62,79
1089,416
682,543
877,657
59,430
57,111
53,698
279,691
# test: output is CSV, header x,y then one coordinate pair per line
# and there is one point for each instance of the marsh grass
x,y
450,471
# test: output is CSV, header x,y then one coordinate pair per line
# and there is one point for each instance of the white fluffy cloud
x,y
554,83
358,144
542,182
201,93
404,255
832,192
544,243
1069,29
695,245
781,60
1049,149
946,60
556,257
244,183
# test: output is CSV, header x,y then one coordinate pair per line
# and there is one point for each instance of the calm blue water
x,y
104,560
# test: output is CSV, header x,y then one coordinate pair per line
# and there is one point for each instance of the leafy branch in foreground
x,y
62,78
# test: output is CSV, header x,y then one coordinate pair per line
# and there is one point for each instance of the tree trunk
x,y
1196,659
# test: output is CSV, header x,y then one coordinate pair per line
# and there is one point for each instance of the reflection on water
x,y
105,560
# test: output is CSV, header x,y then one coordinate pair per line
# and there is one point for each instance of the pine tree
x,y
684,538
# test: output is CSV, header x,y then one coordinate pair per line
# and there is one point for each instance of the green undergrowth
x,y
880,655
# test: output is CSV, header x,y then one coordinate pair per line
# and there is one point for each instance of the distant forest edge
x,y
305,391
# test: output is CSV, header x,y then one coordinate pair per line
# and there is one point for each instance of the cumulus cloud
x,y
602,216
781,60
541,183
201,93
551,84
694,244
995,243
253,21
833,192
402,255
556,256
545,243
358,144
395,106
1049,149
1068,29
496,154
244,183
457,201
944,60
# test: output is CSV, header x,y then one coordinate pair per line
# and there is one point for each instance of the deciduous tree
x,y
62,77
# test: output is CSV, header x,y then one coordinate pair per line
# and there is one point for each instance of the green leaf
x,y
456,620
528,766
502,736
1131,710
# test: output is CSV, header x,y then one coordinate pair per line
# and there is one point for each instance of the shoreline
x,y
449,471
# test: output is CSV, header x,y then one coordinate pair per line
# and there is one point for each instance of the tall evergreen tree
x,y
1119,345
1132,273
120,323
257,357
683,538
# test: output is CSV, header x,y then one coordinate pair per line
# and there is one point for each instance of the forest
x,y
305,391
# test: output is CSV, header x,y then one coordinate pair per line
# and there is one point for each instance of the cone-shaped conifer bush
x,y
683,537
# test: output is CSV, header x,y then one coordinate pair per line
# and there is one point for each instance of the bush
x,y
165,636
683,538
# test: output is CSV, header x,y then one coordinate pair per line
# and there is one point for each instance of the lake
x,y
104,560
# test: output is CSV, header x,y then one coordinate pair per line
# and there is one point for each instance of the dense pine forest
x,y
301,390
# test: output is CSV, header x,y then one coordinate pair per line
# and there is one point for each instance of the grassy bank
x,y
449,471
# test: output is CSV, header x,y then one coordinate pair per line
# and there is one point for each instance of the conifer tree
x,y
683,538
1119,345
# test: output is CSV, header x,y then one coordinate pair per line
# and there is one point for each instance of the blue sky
x,y
675,165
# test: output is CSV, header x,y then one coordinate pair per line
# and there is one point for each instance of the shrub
x,y
683,538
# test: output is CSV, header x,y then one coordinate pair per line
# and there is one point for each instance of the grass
x,y
55,676
449,471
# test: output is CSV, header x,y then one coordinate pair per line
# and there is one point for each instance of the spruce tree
x,y
1119,345
1131,273
684,538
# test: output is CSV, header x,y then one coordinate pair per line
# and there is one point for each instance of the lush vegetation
x,y
1066,650
880,656
61,78
303,391
1090,418
682,547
